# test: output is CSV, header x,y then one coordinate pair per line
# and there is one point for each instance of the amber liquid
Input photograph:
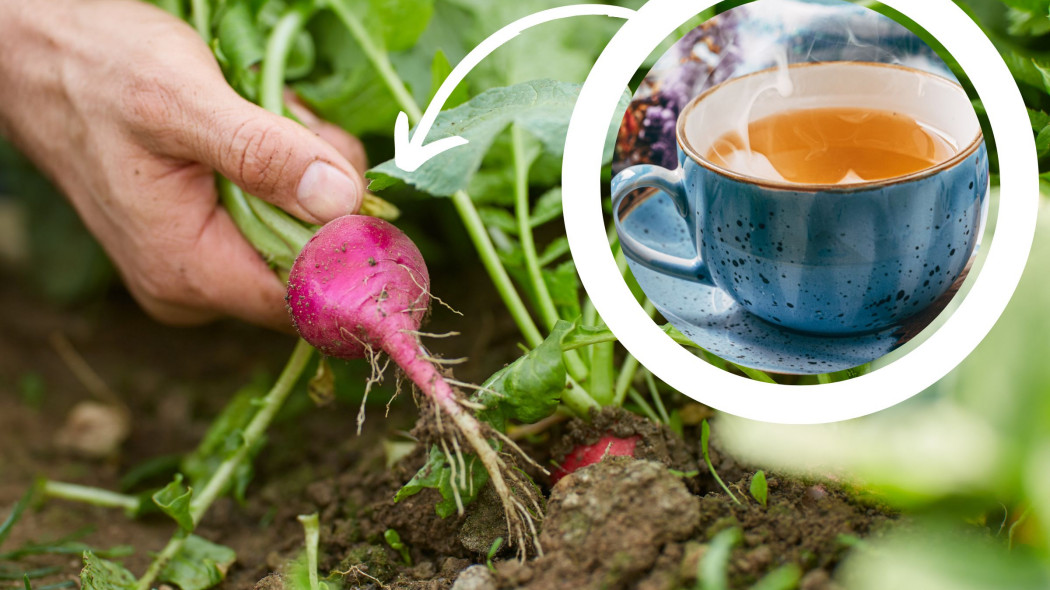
x,y
832,146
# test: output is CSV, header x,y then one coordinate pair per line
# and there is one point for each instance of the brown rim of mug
x,y
814,187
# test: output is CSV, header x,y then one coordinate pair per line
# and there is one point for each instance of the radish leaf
x,y
100,574
174,500
541,107
529,389
199,565
437,474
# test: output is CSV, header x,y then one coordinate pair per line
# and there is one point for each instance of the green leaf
x,y
713,567
547,208
760,488
241,40
437,474
564,287
541,107
199,565
224,436
440,68
496,217
530,388
557,248
397,24
174,500
100,574
785,577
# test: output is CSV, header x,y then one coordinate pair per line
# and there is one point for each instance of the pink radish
x,y
360,286
584,455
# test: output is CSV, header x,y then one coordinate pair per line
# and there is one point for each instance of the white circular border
x,y
934,358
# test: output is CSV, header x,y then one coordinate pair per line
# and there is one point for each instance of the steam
x,y
792,32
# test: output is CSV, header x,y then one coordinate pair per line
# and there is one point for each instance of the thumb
x,y
280,161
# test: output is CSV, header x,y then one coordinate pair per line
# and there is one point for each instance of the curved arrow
x,y
410,154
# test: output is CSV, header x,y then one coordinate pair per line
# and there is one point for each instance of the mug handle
x,y
671,183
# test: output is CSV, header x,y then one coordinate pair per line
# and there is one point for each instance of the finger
x,y
346,144
234,280
269,156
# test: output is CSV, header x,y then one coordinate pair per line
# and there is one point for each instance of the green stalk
x,y
548,312
275,250
573,363
630,364
576,398
312,531
284,226
220,480
202,19
490,259
275,60
91,495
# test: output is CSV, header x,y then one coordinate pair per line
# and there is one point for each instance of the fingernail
x,y
326,192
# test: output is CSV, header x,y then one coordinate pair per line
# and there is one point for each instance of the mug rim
x,y
687,148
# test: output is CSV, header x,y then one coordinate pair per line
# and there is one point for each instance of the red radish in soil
x,y
584,455
360,286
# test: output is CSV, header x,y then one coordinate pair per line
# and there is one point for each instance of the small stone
x,y
475,577
93,430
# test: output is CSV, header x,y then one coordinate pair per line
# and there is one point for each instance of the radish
x,y
584,455
360,286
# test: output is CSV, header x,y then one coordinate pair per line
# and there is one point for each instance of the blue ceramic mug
x,y
821,259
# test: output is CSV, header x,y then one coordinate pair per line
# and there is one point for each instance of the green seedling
x,y
493,550
394,540
312,532
760,488
712,571
705,436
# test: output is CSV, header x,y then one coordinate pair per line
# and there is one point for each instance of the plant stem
x,y
379,59
284,226
576,398
312,531
220,480
548,312
272,248
630,364
278,46
91,495
202,19
658,401
490,259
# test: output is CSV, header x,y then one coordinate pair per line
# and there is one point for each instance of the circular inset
x,y
931,360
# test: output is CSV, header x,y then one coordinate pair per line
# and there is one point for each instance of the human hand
x,y
125,108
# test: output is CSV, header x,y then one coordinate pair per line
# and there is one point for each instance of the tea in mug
x,y
834,145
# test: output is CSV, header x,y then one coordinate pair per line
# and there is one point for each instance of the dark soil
x,y
623,523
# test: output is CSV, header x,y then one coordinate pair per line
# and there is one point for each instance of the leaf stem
x,y
548,312
379,59
278,46
312,531
91,495
275,250
220,480
576,398
490,259
202,18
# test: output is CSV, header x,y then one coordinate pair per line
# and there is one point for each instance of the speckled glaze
x,y
828,260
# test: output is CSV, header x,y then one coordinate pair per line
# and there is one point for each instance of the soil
x,y
622,523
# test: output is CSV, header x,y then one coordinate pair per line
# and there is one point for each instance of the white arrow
x,y
410,154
